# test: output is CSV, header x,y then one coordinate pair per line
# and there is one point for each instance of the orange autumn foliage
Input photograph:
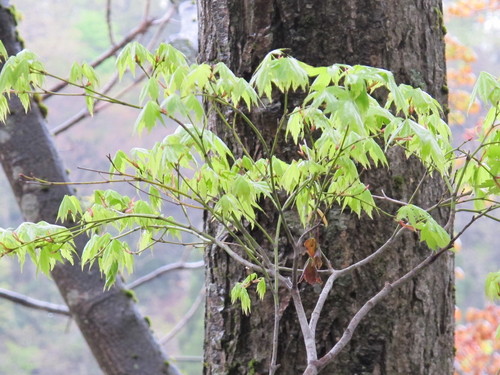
x,y
456,51
461,77
473,8
477,349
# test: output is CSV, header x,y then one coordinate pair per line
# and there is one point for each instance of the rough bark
x,y
117,334
412,331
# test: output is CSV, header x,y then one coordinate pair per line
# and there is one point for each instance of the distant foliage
x,y
460,57
477,343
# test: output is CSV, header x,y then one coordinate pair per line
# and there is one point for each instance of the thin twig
x,y
34,303
109,22
386,198
374,255
186,318
164,269
219,242
84,112
187,358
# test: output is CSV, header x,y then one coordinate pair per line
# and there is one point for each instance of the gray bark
x,y
117,334
412,331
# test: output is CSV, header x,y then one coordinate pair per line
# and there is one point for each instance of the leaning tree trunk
x,y
412,331
117,334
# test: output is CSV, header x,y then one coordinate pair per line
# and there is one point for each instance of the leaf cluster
x,y
348,119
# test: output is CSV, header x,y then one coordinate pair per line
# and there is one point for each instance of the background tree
x,y
117,334
413,331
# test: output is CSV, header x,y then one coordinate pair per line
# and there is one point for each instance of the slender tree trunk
x,y
412,331
117,334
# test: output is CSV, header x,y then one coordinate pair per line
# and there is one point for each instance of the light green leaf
x,y
3,52
295,124
430,231
70,206
90,74
89,101
75,74
246,303
148,117
4,108
492,286
261,288
151,89
487,87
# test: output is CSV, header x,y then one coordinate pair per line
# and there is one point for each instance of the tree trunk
x,y
411,332
117,334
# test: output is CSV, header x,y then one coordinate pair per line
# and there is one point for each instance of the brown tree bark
x,y
117,334
412,331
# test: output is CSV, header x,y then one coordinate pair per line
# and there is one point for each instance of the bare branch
x,y
321,302
187,358
372,256
109,22
187,317
273,367
309,336
84,113
372,302
147,8
34,303
167,268
385,291
386,198
161,23
142,28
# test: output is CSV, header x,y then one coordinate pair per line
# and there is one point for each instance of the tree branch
x,y
309,336
321,302
63,309
372,302
372,256
142,28
34,303
84,112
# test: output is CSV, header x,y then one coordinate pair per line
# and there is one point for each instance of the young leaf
x,y
3,52
487,87
75,74
492,286
70,206
148,117
430,231
261,288
246,303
